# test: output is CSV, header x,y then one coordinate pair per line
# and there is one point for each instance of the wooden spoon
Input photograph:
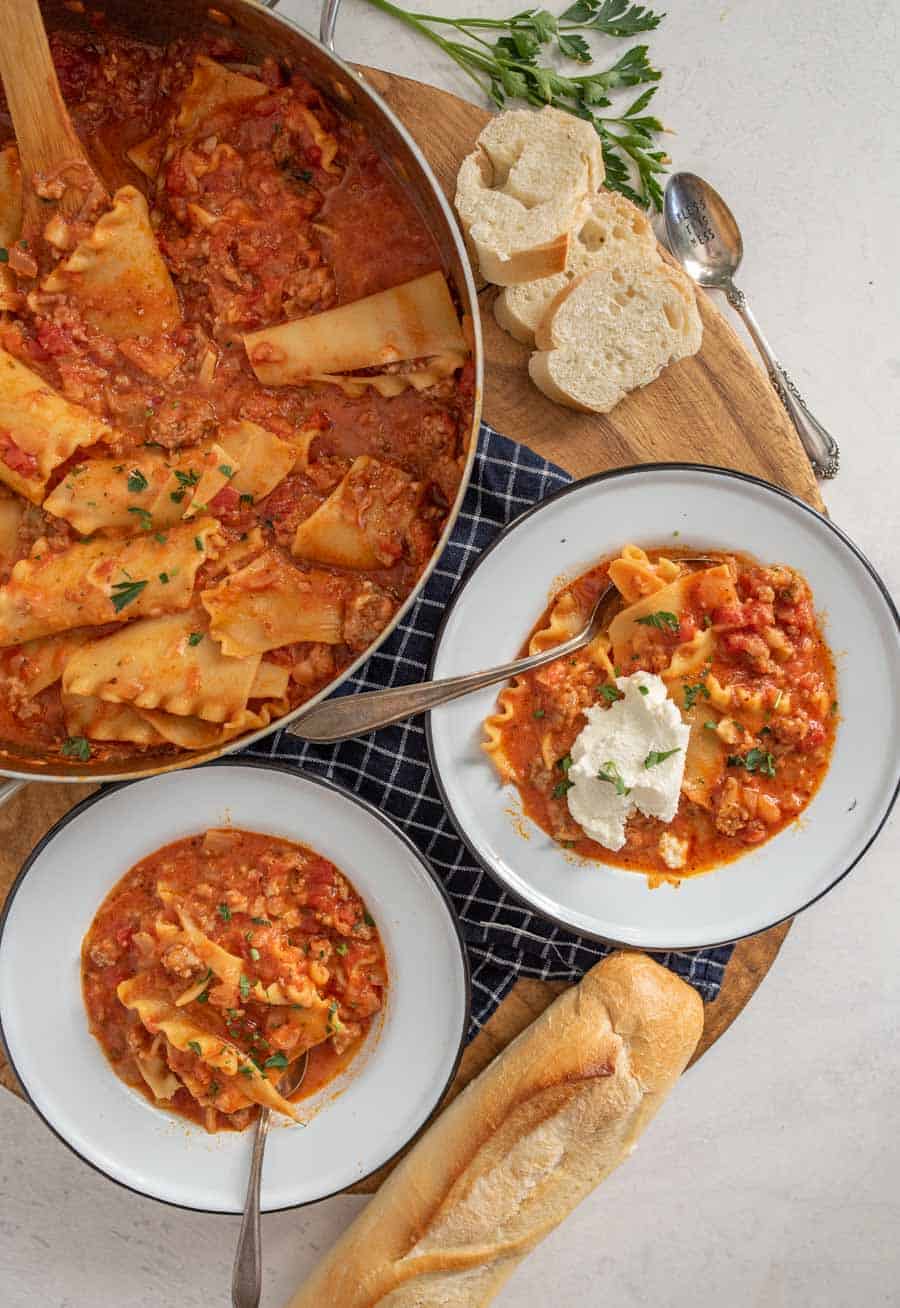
x,y
55,168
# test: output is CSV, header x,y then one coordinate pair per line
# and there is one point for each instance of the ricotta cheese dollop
x,y
617,765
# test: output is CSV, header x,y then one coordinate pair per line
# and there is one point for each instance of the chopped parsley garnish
x,y
177,496
657,756
247,1071
160,537
195,1046
539,713
254,953
707,621
562,787
203,997
187,479
137,482
692,693
609,772
645,690
226,469
195,637
755,760
145,519
277,1060
244,986
368,918
711,725
4,254
340,949
334,1023
76,747
661,620
246,498
564,763
224,912
124,592
164,578
214,1089
260,921
198,544
610,693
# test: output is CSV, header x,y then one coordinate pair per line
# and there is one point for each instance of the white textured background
x,y
772,1178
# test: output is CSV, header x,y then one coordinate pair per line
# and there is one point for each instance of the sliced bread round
x,y
522,190
613,229
612,330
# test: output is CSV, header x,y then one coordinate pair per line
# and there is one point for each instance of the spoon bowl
x,y
702,230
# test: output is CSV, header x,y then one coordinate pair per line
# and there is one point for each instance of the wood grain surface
x,y
716,408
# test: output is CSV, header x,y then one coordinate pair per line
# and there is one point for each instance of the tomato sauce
x,y
771,659
289,915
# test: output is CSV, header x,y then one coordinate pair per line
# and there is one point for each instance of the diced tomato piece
x,y
728,616
314,154
226,501
15,457
53,340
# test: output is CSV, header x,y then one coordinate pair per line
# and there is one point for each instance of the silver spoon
x,y
354,715
246,1277
705,239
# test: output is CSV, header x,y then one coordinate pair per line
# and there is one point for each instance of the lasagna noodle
x,y
704,763
11,512
634,576
509,702
169,663
411,321
358,526
212,88
260,458
96,719
104,581
39,429
626,629
109,494
270,603
39,663
117,277
159,1014
389,384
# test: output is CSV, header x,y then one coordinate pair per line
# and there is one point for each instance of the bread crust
x,y
542,1125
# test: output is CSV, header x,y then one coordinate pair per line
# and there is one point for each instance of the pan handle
x,y
8,788
326,26
327,23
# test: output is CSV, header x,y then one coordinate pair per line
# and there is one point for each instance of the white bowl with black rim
x,y
355,1124
505,593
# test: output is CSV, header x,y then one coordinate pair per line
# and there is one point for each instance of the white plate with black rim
x,y
386,1095
505,593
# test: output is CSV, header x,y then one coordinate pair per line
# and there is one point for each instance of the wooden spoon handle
x,y
52,155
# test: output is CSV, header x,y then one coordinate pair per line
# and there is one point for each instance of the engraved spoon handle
x,y
246,1278
821,448
354,715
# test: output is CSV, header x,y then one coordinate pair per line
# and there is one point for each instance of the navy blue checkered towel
x,y
390,767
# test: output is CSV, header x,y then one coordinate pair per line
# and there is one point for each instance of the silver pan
x,y
265,33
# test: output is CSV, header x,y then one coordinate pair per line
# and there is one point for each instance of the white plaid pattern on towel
x,y
390,767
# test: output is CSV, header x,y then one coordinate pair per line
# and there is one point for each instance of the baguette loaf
x,y
613,229
522,1145
612,330
523,188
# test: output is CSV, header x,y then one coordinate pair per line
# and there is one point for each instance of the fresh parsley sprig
x,y
508,68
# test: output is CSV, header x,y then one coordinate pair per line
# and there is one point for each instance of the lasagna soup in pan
x,y
698,724
220,959
234,400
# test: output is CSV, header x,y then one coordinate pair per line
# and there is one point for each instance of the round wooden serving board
x,y
715,408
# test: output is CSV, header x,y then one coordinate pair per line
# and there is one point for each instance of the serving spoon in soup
x,y
354,715
246,1277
